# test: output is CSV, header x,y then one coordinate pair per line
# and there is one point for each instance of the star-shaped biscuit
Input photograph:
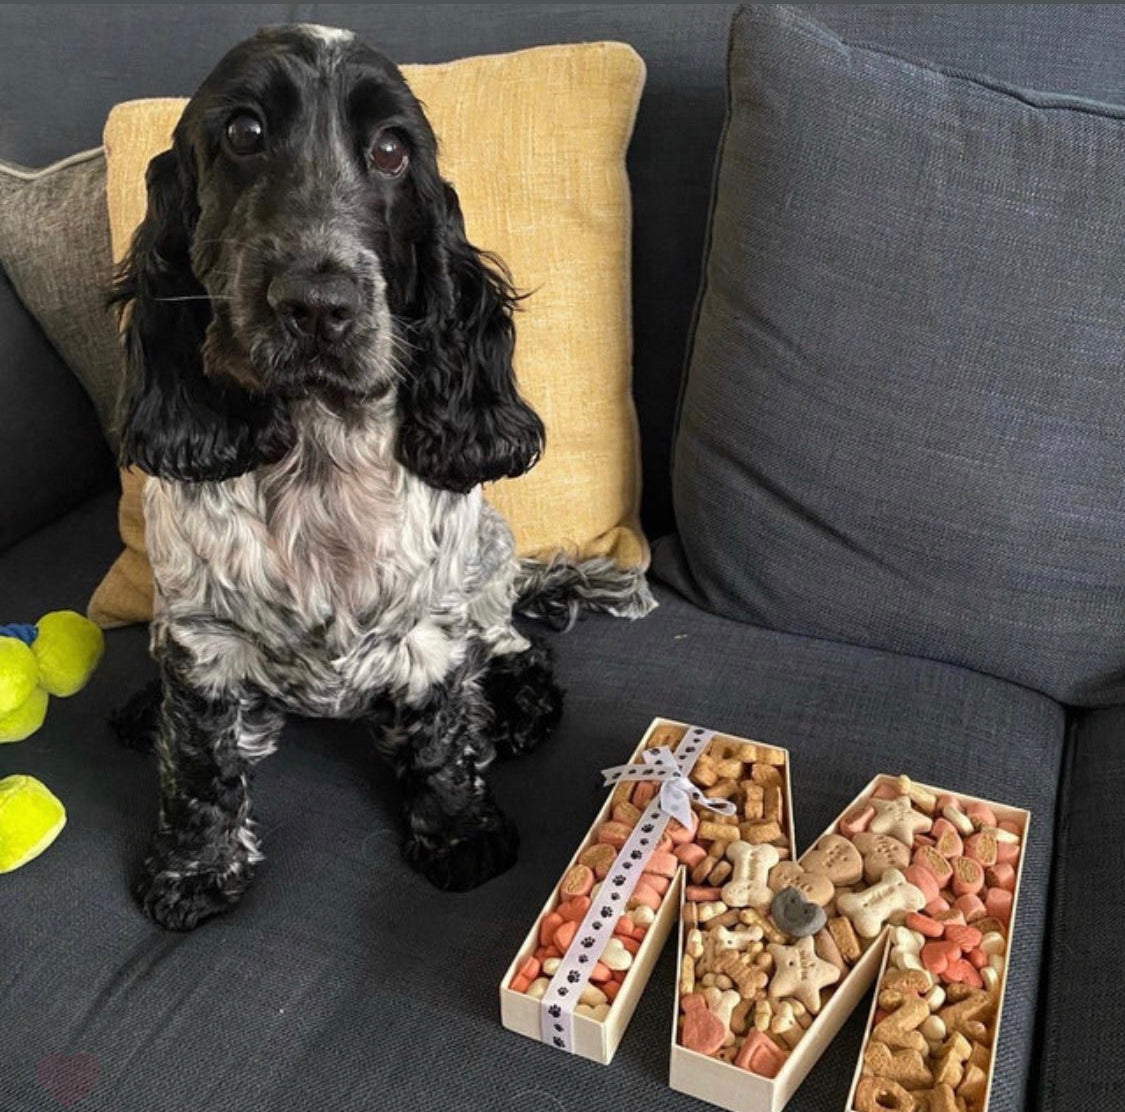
x,y
800,974
898,818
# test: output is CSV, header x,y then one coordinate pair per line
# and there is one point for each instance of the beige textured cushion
x,y
534,143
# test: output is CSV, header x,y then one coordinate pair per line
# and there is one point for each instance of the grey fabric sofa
x,y
343,982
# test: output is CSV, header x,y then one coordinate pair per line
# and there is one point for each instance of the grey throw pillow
x,y
903,423
54,247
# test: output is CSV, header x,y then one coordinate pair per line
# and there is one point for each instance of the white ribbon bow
x,y
677,792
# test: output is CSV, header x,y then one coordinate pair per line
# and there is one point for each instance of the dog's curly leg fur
x,y
524,699
205,849
456,836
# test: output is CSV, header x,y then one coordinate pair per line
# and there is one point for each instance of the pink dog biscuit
x,y
761,1055
980,814
614,834
1001,876
922,878
982,847
663,864
690,854
578,881
644,793
680,833
856,820
928,858
972,907
998,902
968,876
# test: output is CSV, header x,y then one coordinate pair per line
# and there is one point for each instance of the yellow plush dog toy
x,y
56,656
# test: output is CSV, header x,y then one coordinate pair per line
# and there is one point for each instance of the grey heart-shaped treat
x,y
795,915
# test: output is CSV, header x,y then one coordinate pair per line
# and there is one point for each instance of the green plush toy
x,y
56,656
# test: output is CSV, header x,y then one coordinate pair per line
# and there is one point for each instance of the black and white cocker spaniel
x,y
319,380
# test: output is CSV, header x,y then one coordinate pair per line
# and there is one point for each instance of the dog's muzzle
x,y
318,308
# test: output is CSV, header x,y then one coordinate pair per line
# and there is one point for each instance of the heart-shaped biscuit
x,y
880,853
815,887
835,857
796,915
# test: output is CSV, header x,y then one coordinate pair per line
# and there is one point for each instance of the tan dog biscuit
x,y
949,1064
880,853
720,874
870,909
900,1028
904,1066
815,887
881,1094
753,801
753,918
827,949
843,934
717,832
765,774
799,973
898,818
835,857
703,870
772,806
758,833
749,887
749,981
704,774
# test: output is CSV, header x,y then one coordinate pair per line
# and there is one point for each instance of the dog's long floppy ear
x,y
176,422
463,421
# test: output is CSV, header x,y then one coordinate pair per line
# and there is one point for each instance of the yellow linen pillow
x,y
534,143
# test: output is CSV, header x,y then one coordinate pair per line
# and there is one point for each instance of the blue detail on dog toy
x,y
21,631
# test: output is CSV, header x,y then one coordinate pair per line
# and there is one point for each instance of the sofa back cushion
x,y
904,419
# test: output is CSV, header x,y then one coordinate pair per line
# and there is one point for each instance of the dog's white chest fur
x,y
335,565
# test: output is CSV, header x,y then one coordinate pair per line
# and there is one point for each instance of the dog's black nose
x,y
319,307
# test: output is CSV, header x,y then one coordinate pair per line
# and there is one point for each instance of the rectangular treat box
x,y
1003,812
739,1090
596,1040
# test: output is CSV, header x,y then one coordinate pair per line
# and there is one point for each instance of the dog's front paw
x,y
180,901
468,861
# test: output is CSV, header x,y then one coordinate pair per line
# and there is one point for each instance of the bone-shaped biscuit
x,y
749,887
870,909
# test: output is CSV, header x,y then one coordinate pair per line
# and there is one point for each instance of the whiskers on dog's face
x,y
312,159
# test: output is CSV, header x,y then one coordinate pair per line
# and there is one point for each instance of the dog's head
x,y
300,242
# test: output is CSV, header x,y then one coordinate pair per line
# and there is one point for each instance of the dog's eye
x,y
388,154
245,134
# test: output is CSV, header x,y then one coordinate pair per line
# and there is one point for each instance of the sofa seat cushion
x,y
343,980
1082,1066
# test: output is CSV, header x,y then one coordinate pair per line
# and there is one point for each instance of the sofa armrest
x,y
52,452
1081,1065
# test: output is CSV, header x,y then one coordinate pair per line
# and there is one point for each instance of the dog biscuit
x,y
881,1094
870,909
749,886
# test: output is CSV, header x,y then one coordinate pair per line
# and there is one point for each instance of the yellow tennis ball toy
x,y
56,656
30,820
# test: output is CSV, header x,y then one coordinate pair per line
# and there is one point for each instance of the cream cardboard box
x,y
737,1089
599,1040
710,1079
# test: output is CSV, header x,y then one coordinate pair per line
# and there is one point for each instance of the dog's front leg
x,y
456,835
205,849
